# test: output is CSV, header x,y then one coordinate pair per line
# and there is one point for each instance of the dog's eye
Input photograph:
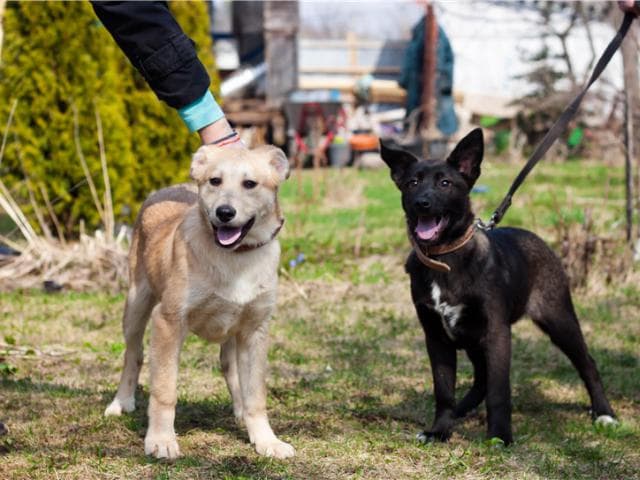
x,y
249,184
215,181
445,182
412,183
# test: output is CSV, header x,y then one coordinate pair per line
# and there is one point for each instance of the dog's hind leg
x,y
229,365
478,391
561,324
498,384
136,315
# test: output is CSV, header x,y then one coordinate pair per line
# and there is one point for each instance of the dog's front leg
x,y
252,365
167,334
442,355
478,391
229,365
498,352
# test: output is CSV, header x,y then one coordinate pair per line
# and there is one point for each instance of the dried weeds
x,y
92,263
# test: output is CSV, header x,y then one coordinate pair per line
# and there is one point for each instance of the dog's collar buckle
x,y
246,248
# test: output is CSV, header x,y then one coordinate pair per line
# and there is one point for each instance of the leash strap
x,y
560,124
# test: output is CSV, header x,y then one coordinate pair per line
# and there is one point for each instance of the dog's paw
x,y
499,438
118,406
161,446
239,417
275,448
429,437
606,421
495,442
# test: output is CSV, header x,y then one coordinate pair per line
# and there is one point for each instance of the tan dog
x,y
204,258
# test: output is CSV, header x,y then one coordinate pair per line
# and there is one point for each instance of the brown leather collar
x,y
424,255
246,248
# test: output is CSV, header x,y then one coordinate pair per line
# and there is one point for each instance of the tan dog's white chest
x,y
233,293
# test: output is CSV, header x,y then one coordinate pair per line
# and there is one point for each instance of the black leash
x,y
557,128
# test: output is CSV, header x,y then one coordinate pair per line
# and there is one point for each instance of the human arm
x,y
157,47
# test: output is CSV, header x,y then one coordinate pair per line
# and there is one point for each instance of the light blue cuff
x,y
201,113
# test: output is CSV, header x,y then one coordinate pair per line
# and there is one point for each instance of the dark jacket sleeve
x,y
156,45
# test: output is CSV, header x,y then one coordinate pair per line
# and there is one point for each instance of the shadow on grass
x,y
89,437
540,359
368,363
231,466
554,428
26,385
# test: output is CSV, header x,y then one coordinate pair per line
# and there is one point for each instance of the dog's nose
x,y
423,204
225,213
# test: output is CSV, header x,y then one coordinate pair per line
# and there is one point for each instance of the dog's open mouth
x,y
430,228
228,237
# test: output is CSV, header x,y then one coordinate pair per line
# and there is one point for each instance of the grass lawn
x,y
350,382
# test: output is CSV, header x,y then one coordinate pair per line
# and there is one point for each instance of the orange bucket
x,y
363,141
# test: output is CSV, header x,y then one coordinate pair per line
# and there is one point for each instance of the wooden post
x,y
429,77
628,160
631,123
281,19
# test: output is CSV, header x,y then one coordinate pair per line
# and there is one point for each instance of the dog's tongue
x,y
228,235
427,228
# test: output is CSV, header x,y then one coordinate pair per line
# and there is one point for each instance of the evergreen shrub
x,y
57,58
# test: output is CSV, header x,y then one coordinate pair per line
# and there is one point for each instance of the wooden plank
x,y
343,44
281,20
351,70
383,91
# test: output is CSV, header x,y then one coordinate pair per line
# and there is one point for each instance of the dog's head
x,y
238,192
435,193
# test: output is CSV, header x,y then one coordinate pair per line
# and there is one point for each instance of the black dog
x,y
476,287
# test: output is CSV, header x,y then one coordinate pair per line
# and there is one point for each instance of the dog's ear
x,y
397,160
199,164
467,156
277,160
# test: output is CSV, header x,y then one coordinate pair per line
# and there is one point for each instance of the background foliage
x,y
57,57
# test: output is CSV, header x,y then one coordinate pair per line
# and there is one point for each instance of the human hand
x,y
630,6
220,133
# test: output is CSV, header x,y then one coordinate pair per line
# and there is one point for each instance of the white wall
x,y
488,39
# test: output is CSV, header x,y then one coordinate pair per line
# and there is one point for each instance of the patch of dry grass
x,y
90,264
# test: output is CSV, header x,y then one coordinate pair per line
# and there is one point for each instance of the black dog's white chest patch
x,y
449,314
